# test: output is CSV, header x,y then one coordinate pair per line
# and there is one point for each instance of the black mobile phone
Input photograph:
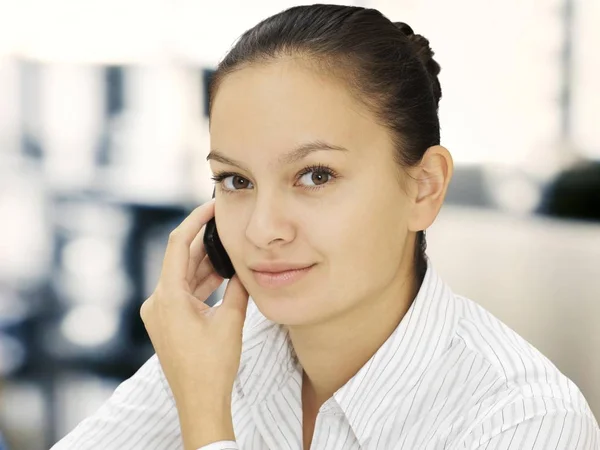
x,y
215,250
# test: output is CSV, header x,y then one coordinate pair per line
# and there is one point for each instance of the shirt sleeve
x,y
140,415
221,445
558,430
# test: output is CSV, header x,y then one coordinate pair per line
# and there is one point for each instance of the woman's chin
x,y
289,310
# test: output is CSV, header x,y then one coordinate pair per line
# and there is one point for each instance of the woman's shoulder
x,y
511,385
519,365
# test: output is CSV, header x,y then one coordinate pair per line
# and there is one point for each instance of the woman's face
x,y
308,181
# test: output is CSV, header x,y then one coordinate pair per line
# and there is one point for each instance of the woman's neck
x,y
332,352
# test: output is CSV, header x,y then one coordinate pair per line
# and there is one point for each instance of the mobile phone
x,y
215,250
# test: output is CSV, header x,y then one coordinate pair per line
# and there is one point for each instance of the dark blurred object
x,y
574,194
114,104
207,75
15,319
29,107
114,78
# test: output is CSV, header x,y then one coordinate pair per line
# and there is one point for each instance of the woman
x,y
325,151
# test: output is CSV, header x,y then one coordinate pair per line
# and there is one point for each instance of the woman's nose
x,y
269,222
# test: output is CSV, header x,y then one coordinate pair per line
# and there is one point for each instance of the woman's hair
x,y
384,64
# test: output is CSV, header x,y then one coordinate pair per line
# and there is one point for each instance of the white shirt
x,y
451,376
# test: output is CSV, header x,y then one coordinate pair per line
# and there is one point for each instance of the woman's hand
x,y
198,347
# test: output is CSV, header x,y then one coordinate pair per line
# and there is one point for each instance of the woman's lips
x,y
280,279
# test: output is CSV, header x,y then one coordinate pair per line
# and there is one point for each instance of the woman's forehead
x,y
280,89
283,105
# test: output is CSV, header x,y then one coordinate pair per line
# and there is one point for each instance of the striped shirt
x,y
450,376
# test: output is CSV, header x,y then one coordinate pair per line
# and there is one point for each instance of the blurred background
x,y
103,139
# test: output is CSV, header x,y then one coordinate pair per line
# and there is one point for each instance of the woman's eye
x,y
235,183
315,178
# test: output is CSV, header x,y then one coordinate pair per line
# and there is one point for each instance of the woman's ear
x,y
432,177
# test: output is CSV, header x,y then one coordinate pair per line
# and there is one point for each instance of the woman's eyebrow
x,y
298,153
215,155
306,149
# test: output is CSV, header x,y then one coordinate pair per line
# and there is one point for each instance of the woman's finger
x,y
208,286
177,254
204,269
236,296
197,254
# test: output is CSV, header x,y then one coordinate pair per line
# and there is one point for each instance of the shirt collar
x,y
268,361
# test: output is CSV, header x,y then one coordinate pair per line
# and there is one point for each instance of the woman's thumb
x,y
236,297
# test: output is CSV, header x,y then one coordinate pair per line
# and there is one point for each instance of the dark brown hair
x,y
384,64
